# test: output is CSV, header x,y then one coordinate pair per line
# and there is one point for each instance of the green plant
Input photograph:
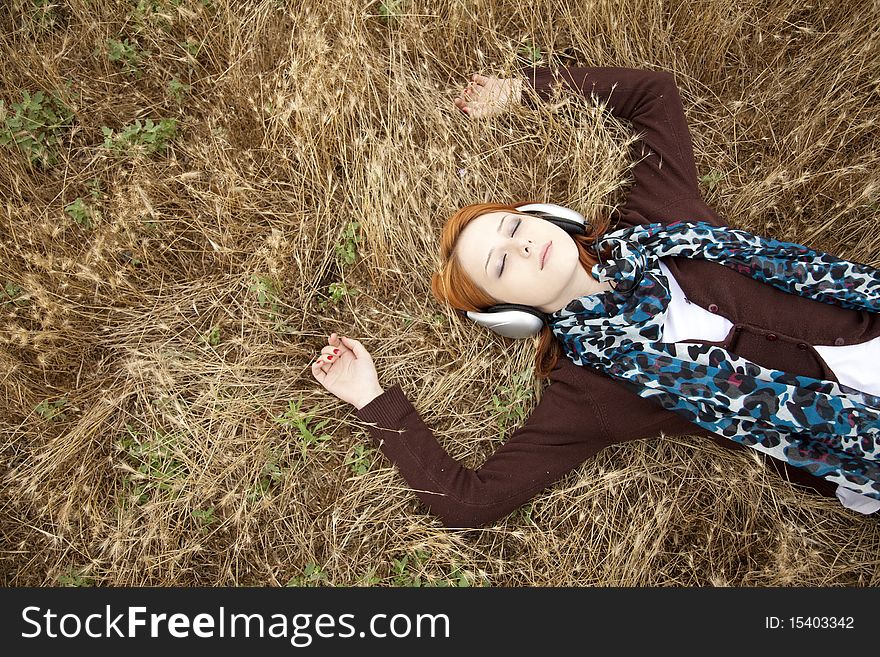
x,y
346,250
267,295
530,51
192,47
76,577
205,517
361,460
312,576
212,337
35,126
511,401
369,578
11,293
270,475
52,410
405,571
95,189
125,53
38,15
299,421
147,137
157,460
712,179
154,14
178,89
337,292
81,213
390,10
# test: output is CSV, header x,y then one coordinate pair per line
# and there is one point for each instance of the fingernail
x,y
329,357
336,351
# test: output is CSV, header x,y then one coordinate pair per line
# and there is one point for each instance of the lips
x,y
544,252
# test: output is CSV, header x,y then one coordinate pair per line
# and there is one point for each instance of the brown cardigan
x,y
580,410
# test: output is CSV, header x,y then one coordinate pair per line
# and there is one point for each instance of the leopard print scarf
x,y
831,430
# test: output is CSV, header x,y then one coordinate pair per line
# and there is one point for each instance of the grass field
x,y
195,194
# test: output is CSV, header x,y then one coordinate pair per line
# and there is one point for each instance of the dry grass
x,y
167,466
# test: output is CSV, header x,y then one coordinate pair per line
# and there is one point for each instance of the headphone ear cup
x,y
511,320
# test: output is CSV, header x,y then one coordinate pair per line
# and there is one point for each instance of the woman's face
x,y
502,251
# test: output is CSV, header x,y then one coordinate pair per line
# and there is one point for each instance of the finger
x,y
480,79
356,347
318,373
337,343
333,352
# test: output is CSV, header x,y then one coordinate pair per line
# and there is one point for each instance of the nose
x,y
524,247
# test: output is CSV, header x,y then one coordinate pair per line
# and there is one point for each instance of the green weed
x,y
212,337
153,14
52,410
81,212
530,51
146,138
300,422
511,401
11,293
178,89
76,577
406,570
38,16
192,46
157,460
205,517
313,575
270,475
390,10
267,295
712,179
35,126
124,53
434,319
361,459
338,291
346,249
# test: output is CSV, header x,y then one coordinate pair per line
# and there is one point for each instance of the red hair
x,y
451,285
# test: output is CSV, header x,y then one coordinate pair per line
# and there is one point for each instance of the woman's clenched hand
x,y
346,369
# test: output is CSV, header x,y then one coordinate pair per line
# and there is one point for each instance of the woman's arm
x,y
579,414
666,174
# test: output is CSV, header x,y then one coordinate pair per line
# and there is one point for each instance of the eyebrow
x,y
497,230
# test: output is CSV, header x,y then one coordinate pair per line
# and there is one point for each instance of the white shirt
x,y
686,321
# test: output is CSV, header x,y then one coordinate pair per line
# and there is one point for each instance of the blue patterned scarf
x,y
831,430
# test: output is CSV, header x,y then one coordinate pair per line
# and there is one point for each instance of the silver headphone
x,y
513,320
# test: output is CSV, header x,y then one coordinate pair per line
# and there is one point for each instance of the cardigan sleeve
x,y
665,172
577,416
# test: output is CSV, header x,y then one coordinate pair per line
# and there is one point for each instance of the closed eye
x,y
515,226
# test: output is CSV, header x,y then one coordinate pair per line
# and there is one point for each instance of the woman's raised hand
x,y
346,369
487,96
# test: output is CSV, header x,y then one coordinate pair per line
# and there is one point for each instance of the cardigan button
x,y
771,336
802,346
713,308
838,341
737,329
